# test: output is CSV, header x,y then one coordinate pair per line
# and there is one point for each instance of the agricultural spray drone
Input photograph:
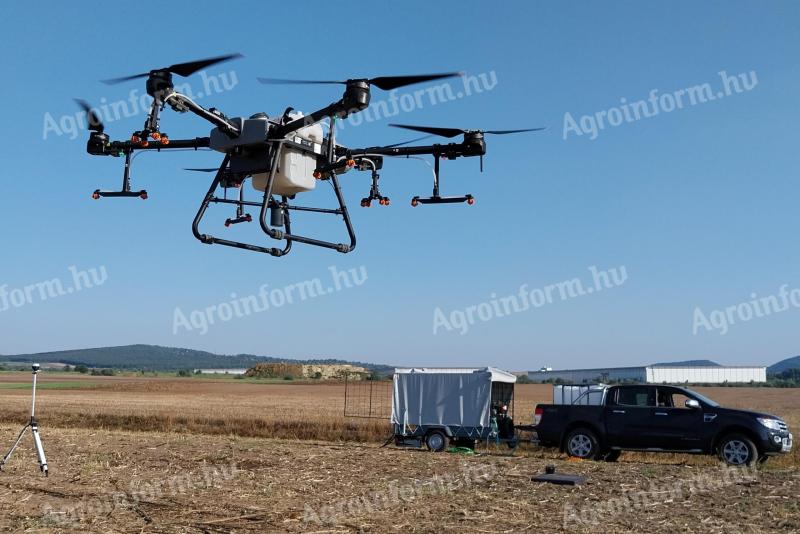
x,y
283,156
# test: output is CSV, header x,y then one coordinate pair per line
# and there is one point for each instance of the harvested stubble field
x,y
131,454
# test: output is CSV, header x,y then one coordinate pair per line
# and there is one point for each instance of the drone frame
x,y
278,211
331,161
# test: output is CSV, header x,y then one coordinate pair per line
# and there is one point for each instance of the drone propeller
x,y
408,142
203,169
181,69
95,124
452,132
386,83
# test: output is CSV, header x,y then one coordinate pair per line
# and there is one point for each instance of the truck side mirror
x,y
692,403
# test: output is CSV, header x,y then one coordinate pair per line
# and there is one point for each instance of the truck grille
x,y
782,426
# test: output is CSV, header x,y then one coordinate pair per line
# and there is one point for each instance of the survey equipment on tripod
x,y
34,427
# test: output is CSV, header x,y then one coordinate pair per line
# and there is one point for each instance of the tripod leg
x,y
14,446
37,441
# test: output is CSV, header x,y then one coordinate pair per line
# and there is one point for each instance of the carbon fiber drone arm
x,y
120,148
473,145
182,103
450,150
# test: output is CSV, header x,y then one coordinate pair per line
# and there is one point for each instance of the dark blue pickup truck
x,y
655,418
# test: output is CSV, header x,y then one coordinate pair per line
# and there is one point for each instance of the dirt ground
x,y
272,410
145,454
116,481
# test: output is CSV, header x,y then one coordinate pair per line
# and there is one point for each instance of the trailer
x,y
437,407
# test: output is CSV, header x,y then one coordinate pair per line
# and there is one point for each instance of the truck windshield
x,y
703,398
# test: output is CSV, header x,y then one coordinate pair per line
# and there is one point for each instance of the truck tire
x,y
737,450
582,443
436,441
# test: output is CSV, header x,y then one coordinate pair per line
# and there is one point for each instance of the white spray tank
x,y
295,173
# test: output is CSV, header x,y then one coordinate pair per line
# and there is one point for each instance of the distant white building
x,y
655,374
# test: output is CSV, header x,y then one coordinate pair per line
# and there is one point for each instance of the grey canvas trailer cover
x,y
439,406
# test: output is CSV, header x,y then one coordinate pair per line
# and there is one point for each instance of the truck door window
x,y
669,398
665,399
643,397
679,401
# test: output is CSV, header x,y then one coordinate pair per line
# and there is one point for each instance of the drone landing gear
x,y
126,185
212,198
284,208
436,198
278,213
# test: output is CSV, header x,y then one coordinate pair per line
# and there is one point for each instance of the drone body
x,y
283,156
250,154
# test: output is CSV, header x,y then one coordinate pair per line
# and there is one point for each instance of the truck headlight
x,y
772,424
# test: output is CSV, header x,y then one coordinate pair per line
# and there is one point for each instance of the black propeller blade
x,y
408,142
386,83
181,69
452,132
203,169
444,132
95,124
504,132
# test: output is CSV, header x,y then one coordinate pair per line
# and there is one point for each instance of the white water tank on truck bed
x,y
586,395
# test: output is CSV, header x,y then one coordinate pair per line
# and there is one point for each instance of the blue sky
x,y
699,205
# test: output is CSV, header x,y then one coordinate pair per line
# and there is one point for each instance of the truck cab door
x,y
675,426
628,416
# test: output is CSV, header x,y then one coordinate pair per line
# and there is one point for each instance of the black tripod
x,y
34,426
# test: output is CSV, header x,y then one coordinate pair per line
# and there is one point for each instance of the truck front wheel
x,y
738,450
582,443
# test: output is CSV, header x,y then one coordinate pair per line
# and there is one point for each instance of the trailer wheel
x,y
582,443
436,441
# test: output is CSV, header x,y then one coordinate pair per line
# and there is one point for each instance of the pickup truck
x,y
658,418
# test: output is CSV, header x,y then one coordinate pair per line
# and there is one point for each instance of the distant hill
x,y
156,358
688,363
784,365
